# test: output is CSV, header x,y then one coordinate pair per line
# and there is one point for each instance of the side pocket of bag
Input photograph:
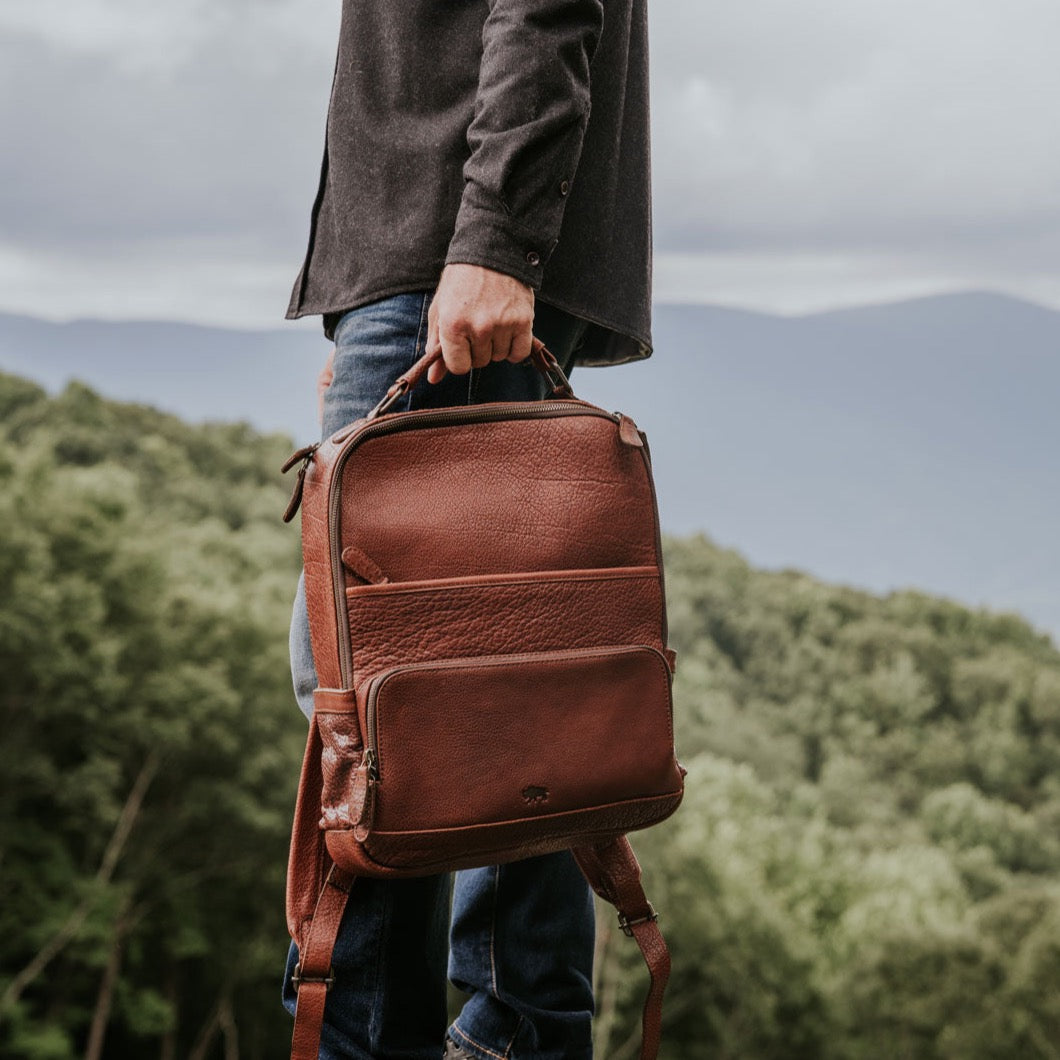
x,y
341,757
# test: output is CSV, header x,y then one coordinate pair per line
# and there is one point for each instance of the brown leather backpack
x,y
488,623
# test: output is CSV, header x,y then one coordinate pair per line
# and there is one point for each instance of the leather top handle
x,y
544,361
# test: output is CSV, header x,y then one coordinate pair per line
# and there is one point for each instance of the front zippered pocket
x,y
473,747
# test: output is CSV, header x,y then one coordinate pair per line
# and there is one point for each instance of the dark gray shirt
x,y
461,131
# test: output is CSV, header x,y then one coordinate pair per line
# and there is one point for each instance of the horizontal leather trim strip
x,y
334,700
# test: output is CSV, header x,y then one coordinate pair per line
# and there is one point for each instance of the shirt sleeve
x,y
530,115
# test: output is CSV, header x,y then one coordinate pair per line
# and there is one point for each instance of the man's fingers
x,y
481,316
456,349
324,380
521,343
327,373
502,344
482,348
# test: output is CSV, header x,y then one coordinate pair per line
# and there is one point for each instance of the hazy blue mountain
x,y
915,443
202,373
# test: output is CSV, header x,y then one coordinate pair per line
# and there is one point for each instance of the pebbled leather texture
x,y
340,757
487,614
528,735
407,622
511,495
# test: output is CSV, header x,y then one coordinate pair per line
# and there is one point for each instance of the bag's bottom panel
x,y
419,853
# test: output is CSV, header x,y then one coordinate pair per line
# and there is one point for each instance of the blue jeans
x,y
520,940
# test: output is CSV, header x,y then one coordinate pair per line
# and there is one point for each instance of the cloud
x,y
136,123
915,124
162,159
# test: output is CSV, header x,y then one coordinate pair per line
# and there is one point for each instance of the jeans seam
x,y
515,1034
373,1021
493,931
493,958
424,309
421,341
478,1045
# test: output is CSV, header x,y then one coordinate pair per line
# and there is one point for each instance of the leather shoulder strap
x,y
313,973
307,859
613,873
317,891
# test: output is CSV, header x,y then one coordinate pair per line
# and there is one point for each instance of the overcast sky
x,y
160,160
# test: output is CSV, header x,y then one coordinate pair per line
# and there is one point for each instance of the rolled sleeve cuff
x,y
488,236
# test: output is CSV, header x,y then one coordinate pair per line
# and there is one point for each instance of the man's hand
x,y
327,374
477,316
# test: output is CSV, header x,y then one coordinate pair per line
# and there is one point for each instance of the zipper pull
x,y
627,431
362,798
357,562
305,454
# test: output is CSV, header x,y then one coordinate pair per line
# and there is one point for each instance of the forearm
x,y
531,112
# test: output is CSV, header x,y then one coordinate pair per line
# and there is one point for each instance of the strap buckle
x,y
627,924
399,388
553,374
297,979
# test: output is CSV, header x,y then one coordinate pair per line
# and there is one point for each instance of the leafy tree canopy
x,y
866,864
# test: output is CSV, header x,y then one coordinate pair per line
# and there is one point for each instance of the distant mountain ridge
x,y
911,443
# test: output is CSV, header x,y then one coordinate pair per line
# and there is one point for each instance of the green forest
x,y
866,864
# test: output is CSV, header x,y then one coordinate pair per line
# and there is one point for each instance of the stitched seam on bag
x,y
633,801
504,579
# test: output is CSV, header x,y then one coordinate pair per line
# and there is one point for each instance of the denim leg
x,y
531,989
303,672
521,944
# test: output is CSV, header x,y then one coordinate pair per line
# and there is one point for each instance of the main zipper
x,y
402,421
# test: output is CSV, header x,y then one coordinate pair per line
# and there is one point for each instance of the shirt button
x,y
564,187
533,258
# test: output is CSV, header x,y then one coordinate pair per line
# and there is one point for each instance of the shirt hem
x,y
356,301
627,345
